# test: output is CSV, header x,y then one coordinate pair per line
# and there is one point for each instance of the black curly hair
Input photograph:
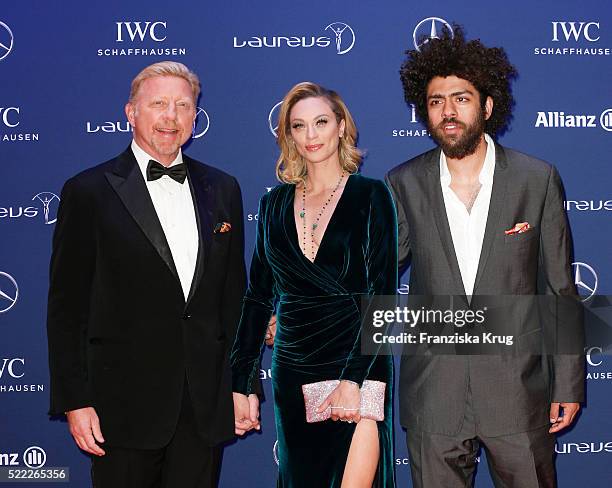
x,y
488,69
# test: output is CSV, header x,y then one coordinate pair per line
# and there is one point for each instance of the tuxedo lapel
x,y
127,181
441,220
202,192
496,205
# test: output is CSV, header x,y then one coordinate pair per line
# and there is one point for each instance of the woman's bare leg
x,y
363,456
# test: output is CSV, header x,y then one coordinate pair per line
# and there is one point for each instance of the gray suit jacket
x,y
510,393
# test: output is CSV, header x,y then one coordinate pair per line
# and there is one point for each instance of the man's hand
x,y
271,331
246,413
85,429
569,412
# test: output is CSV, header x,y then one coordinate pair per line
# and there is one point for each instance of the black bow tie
x,y
155,171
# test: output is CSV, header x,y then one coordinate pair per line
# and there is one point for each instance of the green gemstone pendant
x,y
302,214
314,226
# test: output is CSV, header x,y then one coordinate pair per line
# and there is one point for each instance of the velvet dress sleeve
x,y
381,269
257,308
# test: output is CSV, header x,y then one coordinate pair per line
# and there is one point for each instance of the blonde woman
x,y
325,238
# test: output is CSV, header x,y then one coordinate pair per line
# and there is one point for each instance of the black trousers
x,y
523,460
186,462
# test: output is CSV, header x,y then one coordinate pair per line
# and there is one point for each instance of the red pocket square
x,y
222,227
518,228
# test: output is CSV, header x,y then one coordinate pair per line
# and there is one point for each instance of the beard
x,y
458,147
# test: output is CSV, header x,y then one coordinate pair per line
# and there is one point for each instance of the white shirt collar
x,y
486,172
142,158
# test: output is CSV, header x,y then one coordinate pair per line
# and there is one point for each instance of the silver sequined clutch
x,y
372,399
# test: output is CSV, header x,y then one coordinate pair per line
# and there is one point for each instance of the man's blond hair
x,y
166,68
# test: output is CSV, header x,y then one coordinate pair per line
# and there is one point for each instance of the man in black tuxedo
x,y
480,222
146,280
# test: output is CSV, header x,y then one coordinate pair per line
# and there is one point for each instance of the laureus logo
x,y
342,38
345,36
428,29
47,198
48,208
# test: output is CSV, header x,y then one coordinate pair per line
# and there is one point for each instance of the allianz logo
x,y
583,447
561,119
34,457
9,459
109,127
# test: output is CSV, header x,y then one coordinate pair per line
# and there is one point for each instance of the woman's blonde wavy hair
x,y
291,167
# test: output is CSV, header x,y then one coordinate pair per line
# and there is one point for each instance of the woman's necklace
x,y
315,224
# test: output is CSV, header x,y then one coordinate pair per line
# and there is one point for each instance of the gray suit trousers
x,y
523,460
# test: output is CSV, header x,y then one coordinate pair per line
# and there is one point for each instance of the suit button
x,y
186,316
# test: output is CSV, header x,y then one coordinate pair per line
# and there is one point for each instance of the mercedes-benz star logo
x,y
9,292
428,29
273,119
46,197
6,40
586,280
345,36
206,124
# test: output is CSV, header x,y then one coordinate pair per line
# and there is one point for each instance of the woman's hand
x,y
345,402
246,413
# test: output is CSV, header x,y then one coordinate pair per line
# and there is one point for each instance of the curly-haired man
x,y
477,219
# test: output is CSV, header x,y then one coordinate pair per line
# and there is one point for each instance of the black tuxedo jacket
x,y
122,338
511,393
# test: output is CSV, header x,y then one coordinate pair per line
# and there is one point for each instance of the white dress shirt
x,y
174,206
468,228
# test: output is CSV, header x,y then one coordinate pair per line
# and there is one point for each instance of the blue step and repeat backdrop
x,y
65,70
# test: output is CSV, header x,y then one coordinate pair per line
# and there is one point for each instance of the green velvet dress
x,y
318,324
